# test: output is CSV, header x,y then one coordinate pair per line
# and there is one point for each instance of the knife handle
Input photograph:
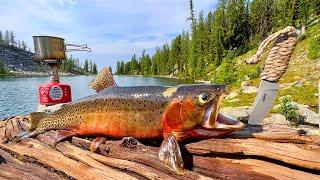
x,y
279,56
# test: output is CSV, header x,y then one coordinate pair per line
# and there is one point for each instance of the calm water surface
x,y
20,95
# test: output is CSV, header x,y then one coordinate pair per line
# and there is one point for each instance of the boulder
x,y
249,89
276,119
246,88
231,95
311,130
244,83
312,118
238,113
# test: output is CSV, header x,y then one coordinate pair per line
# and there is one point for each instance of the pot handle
x,y
75,47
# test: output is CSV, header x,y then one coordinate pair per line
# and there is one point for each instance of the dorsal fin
x,y
35,118
103,80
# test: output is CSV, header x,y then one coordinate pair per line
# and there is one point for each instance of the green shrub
x,y
290,111
225,73
252,71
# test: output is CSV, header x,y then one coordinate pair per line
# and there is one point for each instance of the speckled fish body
x,y
117,112
143,112
174,113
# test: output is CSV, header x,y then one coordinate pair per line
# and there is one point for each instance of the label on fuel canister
x,y
56,93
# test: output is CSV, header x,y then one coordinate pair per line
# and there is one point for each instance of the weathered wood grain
x,y
276,133
266,152
302,155
13,168
51,158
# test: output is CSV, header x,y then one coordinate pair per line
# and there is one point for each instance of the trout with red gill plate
x,y
173,113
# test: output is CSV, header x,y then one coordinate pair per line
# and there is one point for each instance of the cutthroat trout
x,y
173,113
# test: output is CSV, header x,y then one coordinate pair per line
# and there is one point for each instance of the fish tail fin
x,y
104,79
35,118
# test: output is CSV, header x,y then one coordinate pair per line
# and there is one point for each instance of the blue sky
x,y
114,29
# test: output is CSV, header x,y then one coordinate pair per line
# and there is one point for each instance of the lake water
x,y
20,95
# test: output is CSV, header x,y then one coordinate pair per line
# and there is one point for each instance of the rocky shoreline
x,y
34,74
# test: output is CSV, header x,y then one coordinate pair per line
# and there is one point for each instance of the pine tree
x,y
90,67
175,56
185,51
261,18
110,69
218,35
19,44
208,40
122,68
191,11
7,38
2,68
24,45
199,47
12,39
95,70
143,63
1,38
134,69
283,13
118,67
86,66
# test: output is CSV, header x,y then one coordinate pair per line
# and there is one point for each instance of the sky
x,y
114,29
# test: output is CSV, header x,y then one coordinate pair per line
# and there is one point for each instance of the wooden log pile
x,y
257,152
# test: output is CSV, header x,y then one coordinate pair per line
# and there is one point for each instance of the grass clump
x,y
305,94
314,42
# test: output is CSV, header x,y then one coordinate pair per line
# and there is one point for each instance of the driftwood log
x,y
257,152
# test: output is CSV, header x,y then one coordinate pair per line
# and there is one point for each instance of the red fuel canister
x,y
54,92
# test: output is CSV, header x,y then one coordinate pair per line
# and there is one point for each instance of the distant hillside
x,y
17,60
21,62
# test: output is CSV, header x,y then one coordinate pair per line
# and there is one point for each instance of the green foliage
x,y
314,48
234,28
72,65
290,111
2,68
304,94
251,71
95,70
225,73
86,66
314,42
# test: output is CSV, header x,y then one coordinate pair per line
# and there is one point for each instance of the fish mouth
x,y
215,121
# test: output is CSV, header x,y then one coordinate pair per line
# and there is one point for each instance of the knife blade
x,y
267,93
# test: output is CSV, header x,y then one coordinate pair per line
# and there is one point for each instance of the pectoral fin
x,y
63,134
170,154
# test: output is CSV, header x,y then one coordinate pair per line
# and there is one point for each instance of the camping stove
x,y
52,51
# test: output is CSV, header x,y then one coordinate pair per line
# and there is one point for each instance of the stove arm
x,y
75,47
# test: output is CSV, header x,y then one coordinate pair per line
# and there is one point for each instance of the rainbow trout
x,y
173,113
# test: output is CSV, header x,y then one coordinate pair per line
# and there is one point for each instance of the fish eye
x,y
204,98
